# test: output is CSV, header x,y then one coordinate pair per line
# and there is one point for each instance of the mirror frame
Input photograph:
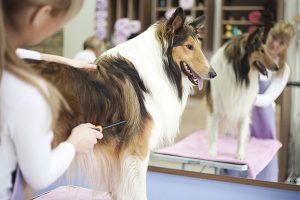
x,y
275,185
285,131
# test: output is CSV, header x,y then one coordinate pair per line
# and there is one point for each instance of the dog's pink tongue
x,y
200,83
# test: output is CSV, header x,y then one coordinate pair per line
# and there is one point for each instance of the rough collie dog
x,y
231,95
144,81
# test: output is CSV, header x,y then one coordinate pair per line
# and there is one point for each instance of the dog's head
x,y
258,54
183,48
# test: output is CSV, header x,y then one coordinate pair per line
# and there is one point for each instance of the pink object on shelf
x,y
123,28
135,26
252,28
103,14
102,4
186,4
169,13
254,16
259,152
72,193
101,18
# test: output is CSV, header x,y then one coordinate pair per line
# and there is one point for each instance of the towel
x,y
72,193
259,152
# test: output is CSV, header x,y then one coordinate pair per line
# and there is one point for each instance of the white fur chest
x,y
166,110
162,101
231,100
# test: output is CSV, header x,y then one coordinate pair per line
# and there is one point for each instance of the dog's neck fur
x,y
153,52
146,52
236,53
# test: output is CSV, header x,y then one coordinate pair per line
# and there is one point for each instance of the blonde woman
x,y
93,47
270,87
29,105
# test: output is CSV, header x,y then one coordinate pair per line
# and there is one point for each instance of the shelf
x,y
132,9
158,9
240,22
242,8
162,9
201,7
226,37
236,13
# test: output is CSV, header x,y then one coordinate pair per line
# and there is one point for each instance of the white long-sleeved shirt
x,y
275,88
25,137
85,55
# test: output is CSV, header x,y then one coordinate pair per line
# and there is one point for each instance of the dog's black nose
x,y
212,74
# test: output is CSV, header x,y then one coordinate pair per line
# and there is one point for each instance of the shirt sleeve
x,y
275,88
40,165
28,54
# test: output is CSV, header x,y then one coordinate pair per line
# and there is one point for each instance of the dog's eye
x,y
190,47
262,51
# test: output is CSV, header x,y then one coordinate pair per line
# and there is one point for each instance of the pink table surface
x,y
259,152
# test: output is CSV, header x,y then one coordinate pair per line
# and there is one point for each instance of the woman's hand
x,y
83,137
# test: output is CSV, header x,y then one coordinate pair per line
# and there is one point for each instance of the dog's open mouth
x,y
193,77
261,68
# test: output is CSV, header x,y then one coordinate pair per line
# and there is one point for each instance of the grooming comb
x,y
98,128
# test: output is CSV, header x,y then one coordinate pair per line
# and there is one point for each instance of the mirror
x,y
287,128
287,108
194,119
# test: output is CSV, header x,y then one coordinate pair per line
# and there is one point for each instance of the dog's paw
x,y
240,156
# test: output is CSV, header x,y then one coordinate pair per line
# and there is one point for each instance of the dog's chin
x,y
192,76
261,68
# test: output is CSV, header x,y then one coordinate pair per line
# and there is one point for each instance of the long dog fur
x,y
144,81
231,95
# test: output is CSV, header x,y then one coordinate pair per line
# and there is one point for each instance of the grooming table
x,y
205,163
194,150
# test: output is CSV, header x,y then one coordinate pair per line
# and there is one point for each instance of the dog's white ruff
x,y
232,103
162,103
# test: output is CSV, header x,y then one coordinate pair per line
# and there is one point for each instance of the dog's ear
x,y
199,25
255,39
177,19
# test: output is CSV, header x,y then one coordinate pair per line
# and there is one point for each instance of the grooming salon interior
x,y
242,145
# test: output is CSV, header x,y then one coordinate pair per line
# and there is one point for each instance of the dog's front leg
x,y
213,128
132,180
244,130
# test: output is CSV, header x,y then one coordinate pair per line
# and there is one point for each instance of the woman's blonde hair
x,y
284,31
94,43
9,60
